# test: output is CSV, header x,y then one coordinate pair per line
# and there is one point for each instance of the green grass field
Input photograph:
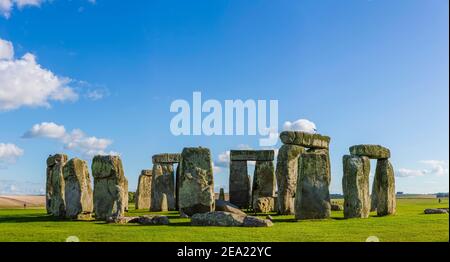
x,y
410,224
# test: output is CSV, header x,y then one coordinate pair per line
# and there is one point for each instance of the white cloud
x,y
9,154
303,125
26,83
6,6
435,167
223,159
76,140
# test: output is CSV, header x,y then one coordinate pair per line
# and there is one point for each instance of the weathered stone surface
x,y
305,139
120,220
196,181
286,174
264,205
125,194
263,181
143,192
109,180
55,186
153,220
355,185
371,151
225,219
222,194
312,198
386,201
166,158
432,211
239,184
78,190
252,155
250,221
225,206
163,184
374,195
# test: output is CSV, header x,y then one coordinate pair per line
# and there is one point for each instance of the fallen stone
x,y
78,191
312,198
196,193
120,220
386,200
252,155
166,159
355,185
109,197
225,219
371,151
153,220
264,205
250,221
143,192
239,185
286,174
55,186
269,217
432,211
305,139
228,207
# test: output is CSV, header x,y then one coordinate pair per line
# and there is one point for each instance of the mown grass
x,y
410,224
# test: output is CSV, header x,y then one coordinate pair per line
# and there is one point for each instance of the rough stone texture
x,y
166,158
371,151
263,181
109,179
355,185
78,190
305,139
196,181
143,191
286,174
120,220
252,155
55,186
264,205
239,184
225,206
153,220
432,211
312,198
163,184
386,201
222,194
225,219
125,194
374,195
177,188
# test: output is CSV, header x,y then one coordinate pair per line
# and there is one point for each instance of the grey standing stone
x,y
109,181
143,192
355,185
78,191
55,186
222,194
386,201
286,174
312,199
263,181
239,184
125,194
177,187
196,181
163,184
374,195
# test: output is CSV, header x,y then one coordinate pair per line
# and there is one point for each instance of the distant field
x,y
410,224
19,201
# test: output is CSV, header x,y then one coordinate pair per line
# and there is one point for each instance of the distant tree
x,y
131,197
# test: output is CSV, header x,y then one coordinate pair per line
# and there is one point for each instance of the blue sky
x,y
363,71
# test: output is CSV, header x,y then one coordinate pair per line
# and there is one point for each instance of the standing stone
x,y
163,205
125,194
286,173
143,192
55,202
263,181
374,195
312,198
386,201
239,184
177,187
355,185
78,190
196,181
222,194
109,180
163,184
